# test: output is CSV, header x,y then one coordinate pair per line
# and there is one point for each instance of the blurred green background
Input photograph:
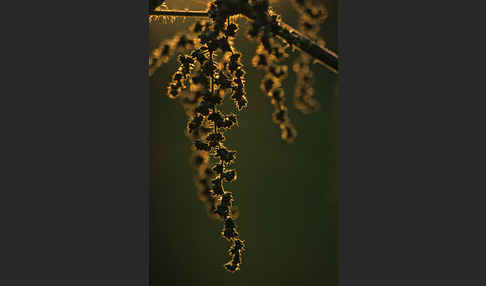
x,y
286,193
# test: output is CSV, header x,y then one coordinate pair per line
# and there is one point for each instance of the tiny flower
x,y
230,175
201,146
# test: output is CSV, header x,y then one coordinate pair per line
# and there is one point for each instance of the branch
x,y
289,34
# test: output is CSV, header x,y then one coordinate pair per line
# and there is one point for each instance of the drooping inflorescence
x,y
166,50
211,71
310,18
268,54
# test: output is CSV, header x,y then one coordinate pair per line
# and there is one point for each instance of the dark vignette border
x,y
408,132
75,144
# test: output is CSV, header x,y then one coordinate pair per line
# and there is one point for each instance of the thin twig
x,y
289,34
184,13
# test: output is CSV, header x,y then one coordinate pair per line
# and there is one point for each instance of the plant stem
x,y
286,32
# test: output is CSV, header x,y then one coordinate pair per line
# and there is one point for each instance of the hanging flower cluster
x,y
210,80
310,18
268,54
166,50
211,72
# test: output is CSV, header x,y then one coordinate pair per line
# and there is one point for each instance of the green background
x,y
286,193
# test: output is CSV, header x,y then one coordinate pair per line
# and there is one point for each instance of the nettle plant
x,y
211,70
